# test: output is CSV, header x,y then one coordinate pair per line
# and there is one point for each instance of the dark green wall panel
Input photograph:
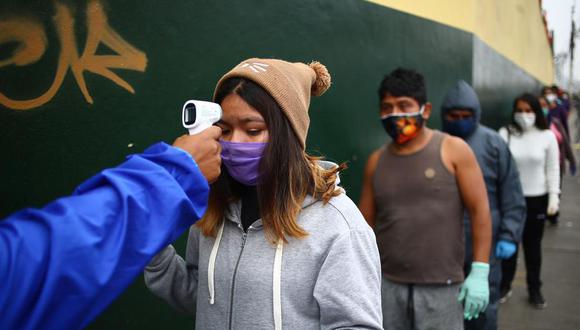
x,y
47,151
498,81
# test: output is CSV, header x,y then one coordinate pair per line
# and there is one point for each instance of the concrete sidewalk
x,y
560,274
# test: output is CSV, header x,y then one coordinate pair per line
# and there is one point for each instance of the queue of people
x,y
432,244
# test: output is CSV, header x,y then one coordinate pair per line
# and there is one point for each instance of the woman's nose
x,y
238,136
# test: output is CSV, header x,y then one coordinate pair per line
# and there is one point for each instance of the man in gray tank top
x,y
414,193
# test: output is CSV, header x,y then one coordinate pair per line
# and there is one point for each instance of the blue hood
x,y
461,96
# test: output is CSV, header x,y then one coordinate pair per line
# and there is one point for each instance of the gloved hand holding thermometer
x,y
199,115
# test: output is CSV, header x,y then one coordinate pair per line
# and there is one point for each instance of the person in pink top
x,y
564,147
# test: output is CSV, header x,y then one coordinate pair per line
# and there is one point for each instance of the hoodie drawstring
x,y
211,265
277,279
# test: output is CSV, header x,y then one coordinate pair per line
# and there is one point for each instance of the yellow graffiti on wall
x,y
32,43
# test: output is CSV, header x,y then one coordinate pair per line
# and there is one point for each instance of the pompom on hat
x,y
290,84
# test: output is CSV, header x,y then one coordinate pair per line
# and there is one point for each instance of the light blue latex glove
x,y
505,249
475,290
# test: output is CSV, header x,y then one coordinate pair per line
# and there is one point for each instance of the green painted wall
x,y
48,150
498,81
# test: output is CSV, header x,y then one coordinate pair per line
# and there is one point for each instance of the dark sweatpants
x,y
532,244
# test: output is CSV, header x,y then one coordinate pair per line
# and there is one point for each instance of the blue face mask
x,y
461,128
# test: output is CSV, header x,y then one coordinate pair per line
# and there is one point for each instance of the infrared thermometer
x,y
199,115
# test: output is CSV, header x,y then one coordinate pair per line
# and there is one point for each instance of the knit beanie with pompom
x,y
290,84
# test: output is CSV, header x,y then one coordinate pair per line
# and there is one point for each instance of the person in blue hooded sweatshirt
x,y
63,264
460,114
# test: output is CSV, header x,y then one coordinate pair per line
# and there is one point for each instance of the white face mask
x,y
551,98
525,120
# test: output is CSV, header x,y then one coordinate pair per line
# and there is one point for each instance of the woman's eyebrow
x,y
250,119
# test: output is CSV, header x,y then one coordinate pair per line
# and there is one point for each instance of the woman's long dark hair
x,y
541,122
287,172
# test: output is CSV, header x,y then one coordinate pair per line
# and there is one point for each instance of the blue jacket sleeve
x,y
62,265
511,196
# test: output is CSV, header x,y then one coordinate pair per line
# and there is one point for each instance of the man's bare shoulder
x,y
455,152
373,160
456,145
376,154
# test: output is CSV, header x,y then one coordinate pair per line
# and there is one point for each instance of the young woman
x,y
281,245
535,151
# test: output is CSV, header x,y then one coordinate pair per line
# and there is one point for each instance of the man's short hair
x,y
404,82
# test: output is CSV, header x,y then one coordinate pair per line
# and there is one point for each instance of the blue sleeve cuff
x,y
181,166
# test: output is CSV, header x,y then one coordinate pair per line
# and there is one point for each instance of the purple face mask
x,y
242,159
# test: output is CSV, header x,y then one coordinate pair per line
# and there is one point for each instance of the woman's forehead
x,y
235,109
234,105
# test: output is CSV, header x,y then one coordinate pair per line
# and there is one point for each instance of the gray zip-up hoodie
x,y
238,280
502,180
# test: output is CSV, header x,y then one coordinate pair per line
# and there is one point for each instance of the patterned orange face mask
x,y
403,127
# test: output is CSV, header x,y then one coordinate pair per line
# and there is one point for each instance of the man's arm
x,y
511,196
473,193
475,289
62,265
367,197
